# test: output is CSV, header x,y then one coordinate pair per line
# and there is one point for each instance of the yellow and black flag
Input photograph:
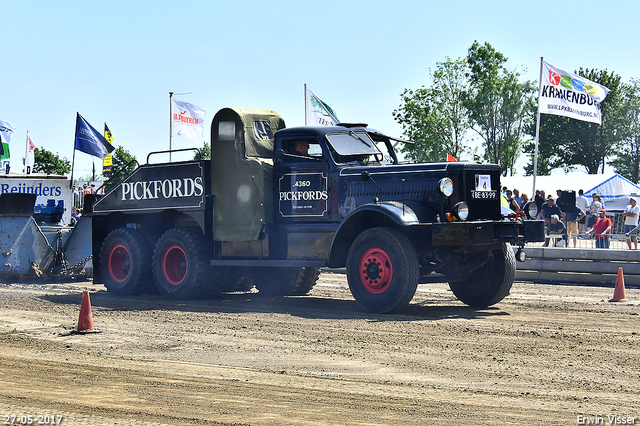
x,y
107,161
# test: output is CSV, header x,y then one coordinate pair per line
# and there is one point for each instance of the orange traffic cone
x,y
85,322
618,293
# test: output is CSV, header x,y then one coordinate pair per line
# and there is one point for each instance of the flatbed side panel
x,y
158,187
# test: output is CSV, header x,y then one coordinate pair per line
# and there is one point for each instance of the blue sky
x,y
116,61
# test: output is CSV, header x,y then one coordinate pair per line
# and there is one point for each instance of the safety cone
x,y
85,322
618,293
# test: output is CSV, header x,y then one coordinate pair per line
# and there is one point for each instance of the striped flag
x,y
107,161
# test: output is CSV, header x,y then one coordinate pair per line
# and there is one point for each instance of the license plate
x,y
484,195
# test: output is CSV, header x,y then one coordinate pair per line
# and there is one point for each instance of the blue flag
x,y
89,140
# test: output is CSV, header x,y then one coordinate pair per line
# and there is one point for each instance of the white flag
x,y
570,95
29,156
318,112
6,130
187,119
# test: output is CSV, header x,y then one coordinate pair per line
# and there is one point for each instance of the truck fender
x,y
373,215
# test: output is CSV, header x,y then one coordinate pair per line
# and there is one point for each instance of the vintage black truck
x,y
262,213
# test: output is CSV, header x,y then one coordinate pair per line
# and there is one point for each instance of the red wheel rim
x,y
119,263
376,270
175,265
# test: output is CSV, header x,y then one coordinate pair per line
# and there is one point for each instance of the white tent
x,y
614,189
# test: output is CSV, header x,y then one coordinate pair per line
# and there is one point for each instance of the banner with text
x,y
570,95
187,119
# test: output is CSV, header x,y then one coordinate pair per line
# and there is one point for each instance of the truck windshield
x,y
352,143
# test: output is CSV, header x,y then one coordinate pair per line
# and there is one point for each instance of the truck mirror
x,y
279,155
365,176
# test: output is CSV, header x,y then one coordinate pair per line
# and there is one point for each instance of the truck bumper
x,y
486,233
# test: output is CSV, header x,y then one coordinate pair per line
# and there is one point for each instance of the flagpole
x,y
26,150
73,161
305,104
535,156
170,123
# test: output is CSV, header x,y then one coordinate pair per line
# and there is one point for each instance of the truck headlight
x,y
531,210
461,210
446,187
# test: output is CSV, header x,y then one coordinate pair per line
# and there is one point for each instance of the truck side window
x,y
298,148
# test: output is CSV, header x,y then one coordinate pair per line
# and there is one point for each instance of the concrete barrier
x,y
579,266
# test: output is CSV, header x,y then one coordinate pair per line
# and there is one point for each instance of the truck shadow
x,y
310,307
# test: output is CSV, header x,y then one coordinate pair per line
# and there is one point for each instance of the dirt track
x,y
545,355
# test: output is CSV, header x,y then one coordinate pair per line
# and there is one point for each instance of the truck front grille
x,y
482,209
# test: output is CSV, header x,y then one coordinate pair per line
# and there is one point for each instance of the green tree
x,y
553,128
205,152
46,162
497,102
121,168
627,151
434,117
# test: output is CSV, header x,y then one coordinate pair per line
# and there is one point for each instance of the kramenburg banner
x,y
570,95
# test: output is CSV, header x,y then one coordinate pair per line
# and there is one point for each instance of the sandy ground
x,y
545,355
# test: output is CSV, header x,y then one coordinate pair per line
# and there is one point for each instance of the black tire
x,y
232,278
382,270
490,283
179,264
125,262
277,281
307,281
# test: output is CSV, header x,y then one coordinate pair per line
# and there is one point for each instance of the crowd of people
x,y
567,221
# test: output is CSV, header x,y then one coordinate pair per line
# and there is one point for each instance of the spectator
x,y
516,196
513,205
560,201
539,199
583,203
525,200
556,227
75,216
630,215
602,230
594,209
550,208
573,219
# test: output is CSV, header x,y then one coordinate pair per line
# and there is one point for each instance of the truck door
x,y
302,182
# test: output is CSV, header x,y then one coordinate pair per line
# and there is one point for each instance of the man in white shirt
x,y
583,203
630,215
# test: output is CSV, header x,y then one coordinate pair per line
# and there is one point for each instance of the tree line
x,y
478,99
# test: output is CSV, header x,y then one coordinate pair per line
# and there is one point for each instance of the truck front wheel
x,y
490,283
179,264
382,270
125,259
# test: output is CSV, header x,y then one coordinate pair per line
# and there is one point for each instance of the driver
x,y
301,146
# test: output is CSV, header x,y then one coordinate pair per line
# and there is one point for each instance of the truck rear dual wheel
x,y
382,270
179,264
490,283
277,281
125,262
